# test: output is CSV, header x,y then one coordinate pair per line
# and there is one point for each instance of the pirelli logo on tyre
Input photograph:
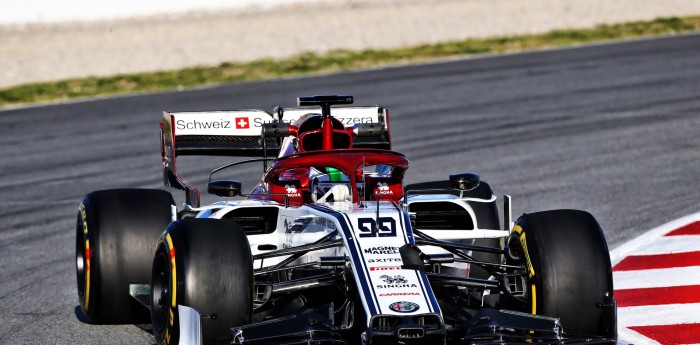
x,y
530,268
523,243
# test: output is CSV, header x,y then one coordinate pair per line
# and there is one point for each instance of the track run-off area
x,y
656,278
611,129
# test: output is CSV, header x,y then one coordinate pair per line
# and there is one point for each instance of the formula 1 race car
x,y
331,247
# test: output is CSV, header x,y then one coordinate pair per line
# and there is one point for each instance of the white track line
x,y
649,238
671,244
633,338
663,277
654,315
648,243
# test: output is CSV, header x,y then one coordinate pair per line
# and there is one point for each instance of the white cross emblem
x,y
241,122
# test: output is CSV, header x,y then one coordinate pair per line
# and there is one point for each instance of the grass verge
x,y
338,60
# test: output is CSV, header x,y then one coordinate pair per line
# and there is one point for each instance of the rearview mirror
x,y
464,182
224,188
362,130
278,130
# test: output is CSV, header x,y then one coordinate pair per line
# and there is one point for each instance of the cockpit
x,y
318,162
353,175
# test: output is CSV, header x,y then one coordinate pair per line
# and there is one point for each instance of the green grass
x,y
338,60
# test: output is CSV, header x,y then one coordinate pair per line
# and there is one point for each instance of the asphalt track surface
x,y
612,129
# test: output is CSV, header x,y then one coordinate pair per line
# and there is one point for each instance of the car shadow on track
x,y
80,315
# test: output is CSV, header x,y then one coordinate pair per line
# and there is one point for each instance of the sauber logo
x,y
242,123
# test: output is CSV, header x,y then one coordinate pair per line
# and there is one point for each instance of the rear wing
x,y
238,133
349,116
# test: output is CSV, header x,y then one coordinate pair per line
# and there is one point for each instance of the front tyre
x,y
114,238
205,264
569,275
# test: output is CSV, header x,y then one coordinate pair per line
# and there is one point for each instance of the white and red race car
x,y
331,247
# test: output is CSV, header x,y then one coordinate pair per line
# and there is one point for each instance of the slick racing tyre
x,y
486,218
568,271
115,236
205,264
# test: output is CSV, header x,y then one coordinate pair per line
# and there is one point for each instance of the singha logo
x,y
397,279
383,189
292,190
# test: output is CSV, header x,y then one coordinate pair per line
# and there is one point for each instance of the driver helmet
x,y
329,185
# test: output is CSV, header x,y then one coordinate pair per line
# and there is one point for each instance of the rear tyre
x,y
115,234
205,264
569,275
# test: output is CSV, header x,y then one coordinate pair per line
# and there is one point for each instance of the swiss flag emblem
x,y
242,123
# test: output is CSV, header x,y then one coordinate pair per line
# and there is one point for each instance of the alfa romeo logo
x,y
404,307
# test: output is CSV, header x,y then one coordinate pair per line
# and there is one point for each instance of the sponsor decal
x,y
300,225
328,223
397,294
397,279
383,227
354,120
328,185
404,307
381,250
233,123
288,175
246,123
194,124
292,191
383,189
258,122
242,123
523,243
385,268
384,260
396,286
394,281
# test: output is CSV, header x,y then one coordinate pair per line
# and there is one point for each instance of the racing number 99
x,y
383,227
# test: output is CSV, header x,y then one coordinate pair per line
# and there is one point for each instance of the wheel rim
x,y
160,291
80,259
